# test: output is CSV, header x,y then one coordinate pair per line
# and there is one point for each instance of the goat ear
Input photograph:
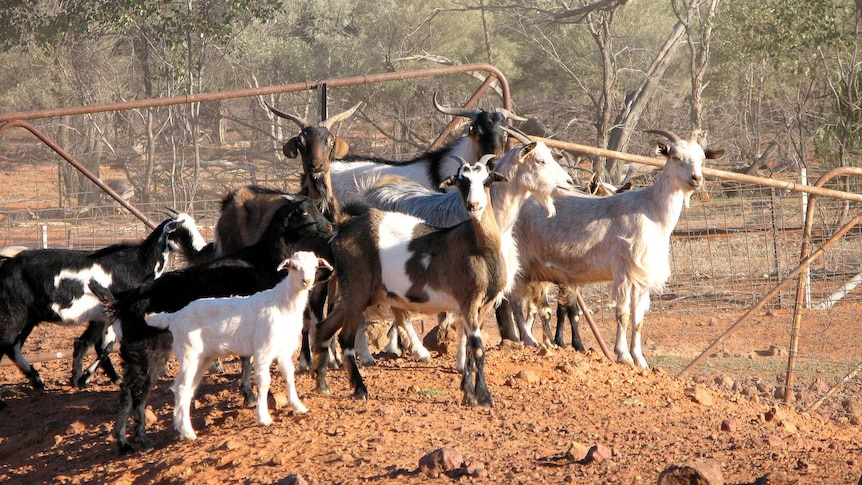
x,y
290,148
497,177
449,182
324,264
714,154
662,149
341,147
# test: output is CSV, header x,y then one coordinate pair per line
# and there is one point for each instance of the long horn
x,y
328,122
518,134
510,115
465,112
299,121
669,135
171,212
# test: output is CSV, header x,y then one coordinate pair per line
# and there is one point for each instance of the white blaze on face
x,y
87,306
472,178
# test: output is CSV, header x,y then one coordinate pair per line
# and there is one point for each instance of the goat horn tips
x,y
667,134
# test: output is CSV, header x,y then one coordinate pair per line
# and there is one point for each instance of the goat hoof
x,y
250,401
125,448
360,395
146,445
323,391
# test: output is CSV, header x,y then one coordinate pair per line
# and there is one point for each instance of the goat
x,y
486,135
396,260
265,325
624,239
297,225
530,169
317,146
50,285
567,306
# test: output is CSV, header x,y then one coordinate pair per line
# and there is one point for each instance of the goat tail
x,y
105,297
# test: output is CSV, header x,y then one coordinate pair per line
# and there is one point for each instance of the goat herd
x,y
396,242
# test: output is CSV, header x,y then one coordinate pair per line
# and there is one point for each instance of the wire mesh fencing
x,y
731,247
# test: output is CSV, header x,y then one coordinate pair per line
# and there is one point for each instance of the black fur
x,y
28,291
297,225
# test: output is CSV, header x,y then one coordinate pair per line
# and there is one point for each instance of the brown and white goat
x,y
396,260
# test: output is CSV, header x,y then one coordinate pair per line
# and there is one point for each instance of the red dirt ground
x,y
550,407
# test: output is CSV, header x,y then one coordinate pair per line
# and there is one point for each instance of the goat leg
x,y
350,365
506,321
483,395
245,388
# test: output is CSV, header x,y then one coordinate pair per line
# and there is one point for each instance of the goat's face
x,y
302,219
473,180
685,160
306,264
541,174
184,235
317,146
487,132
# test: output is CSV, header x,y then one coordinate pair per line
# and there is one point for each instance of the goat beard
x,y
687,200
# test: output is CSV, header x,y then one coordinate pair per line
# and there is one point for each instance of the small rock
x,y
230,445
702,396
476,469
546,351
441,460
150,417
278,400
774,478
292,479
511,345
578,451
818,386
529,376
728,425
76,428
702,473
598,454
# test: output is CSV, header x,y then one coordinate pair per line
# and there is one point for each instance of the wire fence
x,y
735,243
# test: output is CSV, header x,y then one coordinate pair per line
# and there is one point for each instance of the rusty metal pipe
x,y
80,167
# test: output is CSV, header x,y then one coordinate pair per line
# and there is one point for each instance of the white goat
x,y
531,171
265,325
624,239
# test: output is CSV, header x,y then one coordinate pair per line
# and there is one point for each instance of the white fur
x,y
349,178
623,238
265,325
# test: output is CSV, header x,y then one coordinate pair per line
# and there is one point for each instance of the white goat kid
x,y
265,325
624,239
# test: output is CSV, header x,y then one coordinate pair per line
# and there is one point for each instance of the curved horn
x,y
694,135
328,122
466,112
171,212
669,135
510,115
299,121
518,134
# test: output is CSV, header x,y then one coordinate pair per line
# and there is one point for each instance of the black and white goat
x,y
624,239
297,225
531,171
51,285
396,260
265,325
486,135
